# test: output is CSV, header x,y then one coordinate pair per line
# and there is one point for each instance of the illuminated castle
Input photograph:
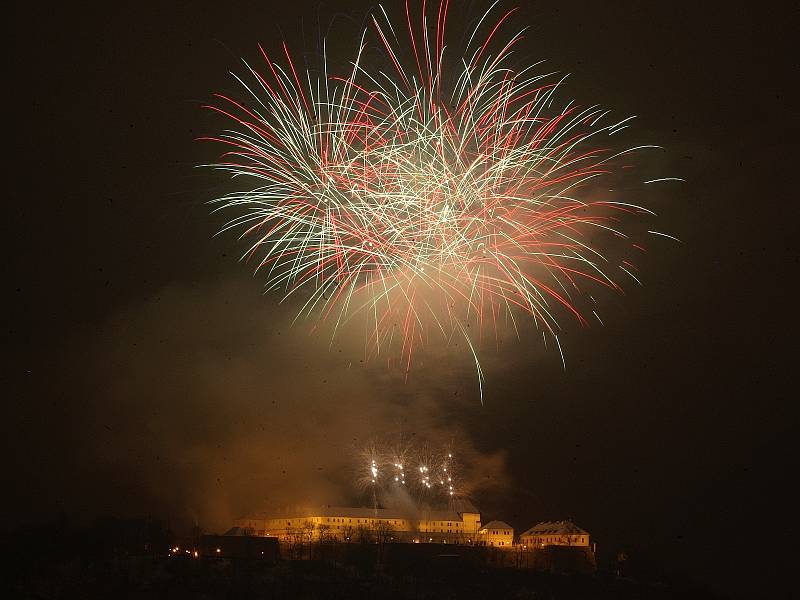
x,y
458,525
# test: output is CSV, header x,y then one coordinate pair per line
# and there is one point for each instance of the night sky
x,y
147,373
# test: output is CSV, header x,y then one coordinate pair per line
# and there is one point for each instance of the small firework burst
x,y
428,473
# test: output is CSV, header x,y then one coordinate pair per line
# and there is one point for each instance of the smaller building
x,y
554,533
496,533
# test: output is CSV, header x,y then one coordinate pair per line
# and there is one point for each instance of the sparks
x,y
430,196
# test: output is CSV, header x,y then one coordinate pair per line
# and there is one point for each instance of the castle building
x,y
554,533
496,533
344,524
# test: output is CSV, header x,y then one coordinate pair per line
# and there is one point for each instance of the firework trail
x,y
439,193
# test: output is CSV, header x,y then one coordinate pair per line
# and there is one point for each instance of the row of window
x,y
425,525
491,543
557,538
390,521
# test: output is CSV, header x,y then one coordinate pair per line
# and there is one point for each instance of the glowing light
x,y
384,456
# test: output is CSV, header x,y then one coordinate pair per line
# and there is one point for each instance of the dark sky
x,y
147,373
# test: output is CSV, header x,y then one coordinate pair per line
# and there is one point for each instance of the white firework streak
x,y
422,197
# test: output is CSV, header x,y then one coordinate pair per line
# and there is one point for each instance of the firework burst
x,y
427,473
437,194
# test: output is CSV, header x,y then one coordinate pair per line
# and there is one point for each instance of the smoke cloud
x,y
205,403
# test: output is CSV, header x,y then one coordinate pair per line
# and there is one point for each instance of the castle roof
x,y
359,513
556,528
497,525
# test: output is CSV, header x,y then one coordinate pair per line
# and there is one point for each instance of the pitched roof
x,y
555,528
497,525
359,513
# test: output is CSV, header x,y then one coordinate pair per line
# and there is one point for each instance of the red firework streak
x,y
429,198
